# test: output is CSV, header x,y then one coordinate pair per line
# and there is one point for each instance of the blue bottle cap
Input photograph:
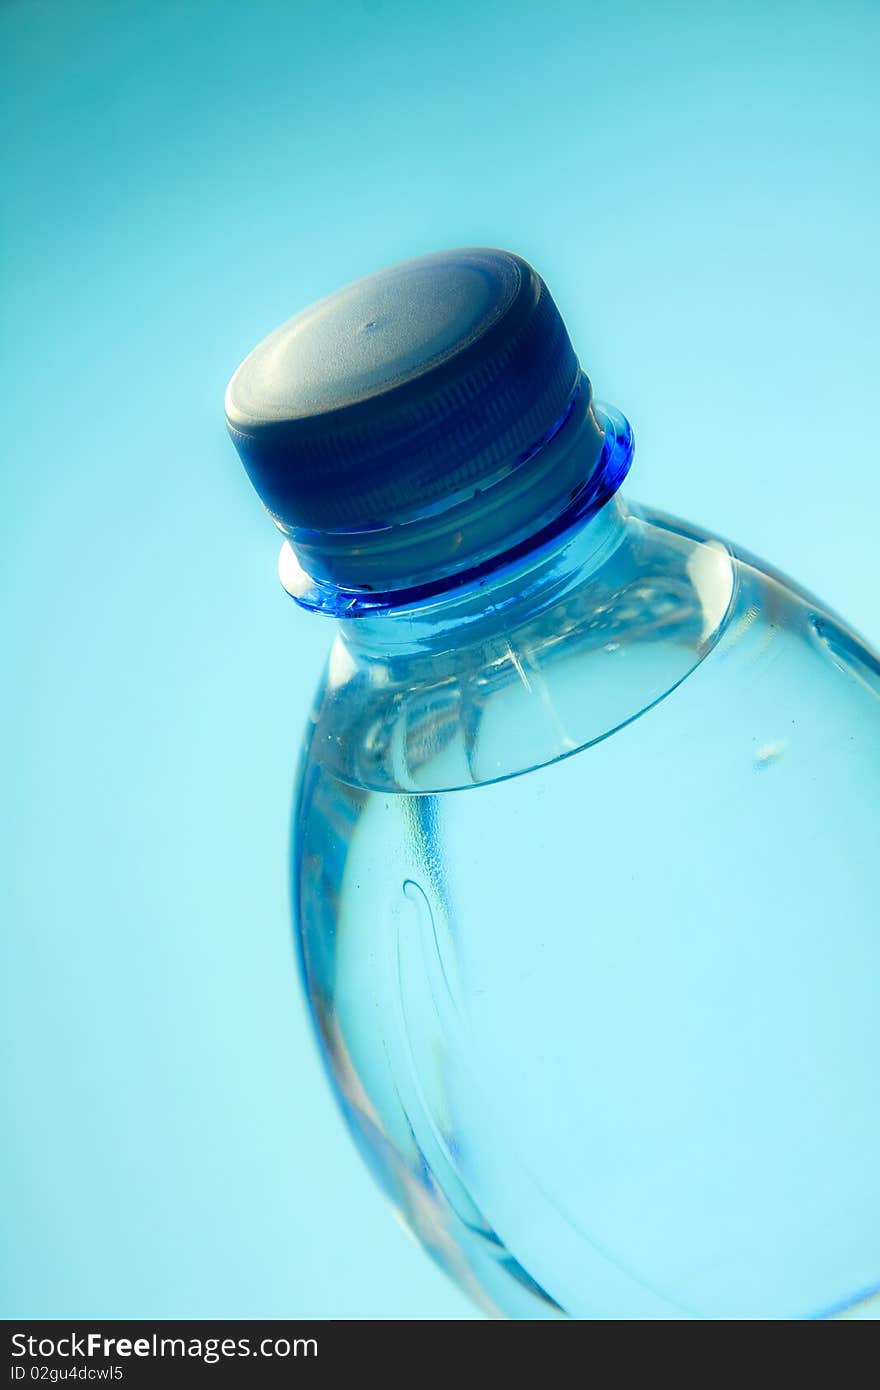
x,y
416,422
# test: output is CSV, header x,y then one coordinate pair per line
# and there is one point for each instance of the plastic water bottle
x,y
587,829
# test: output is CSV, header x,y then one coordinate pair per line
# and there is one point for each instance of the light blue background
x,y
697,183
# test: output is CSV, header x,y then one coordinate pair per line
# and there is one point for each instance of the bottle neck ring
x,y
575,432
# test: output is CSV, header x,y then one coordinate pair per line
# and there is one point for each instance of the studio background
x,y
697,184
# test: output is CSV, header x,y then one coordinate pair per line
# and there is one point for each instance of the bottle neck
x,y
535,571
537,662
511,595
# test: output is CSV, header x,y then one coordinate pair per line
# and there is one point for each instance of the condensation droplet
x,y
768,754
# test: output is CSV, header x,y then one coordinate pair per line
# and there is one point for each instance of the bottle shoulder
x,y
537,685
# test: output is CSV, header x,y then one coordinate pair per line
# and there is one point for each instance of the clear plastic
x,y
585,881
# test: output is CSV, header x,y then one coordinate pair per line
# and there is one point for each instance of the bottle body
x,y
585,889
